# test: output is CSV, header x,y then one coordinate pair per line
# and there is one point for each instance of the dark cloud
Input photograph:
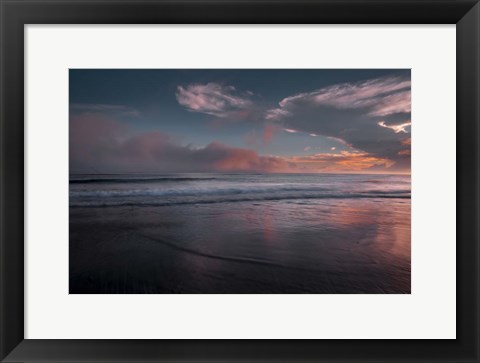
x,y
371,116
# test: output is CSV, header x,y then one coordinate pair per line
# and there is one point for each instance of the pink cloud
x,y
237,159
254,139
268,133
407,141
93,135
213,99
105,145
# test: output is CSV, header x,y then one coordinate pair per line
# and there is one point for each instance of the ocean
x,y
240,233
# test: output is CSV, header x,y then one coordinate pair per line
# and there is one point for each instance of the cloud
x,y
407,141
396,103
104,145
253,138
406,152
340,162
117,110
214,99
367,117
383,96
397,128
237,159
268,132
275,113
341,141
351,114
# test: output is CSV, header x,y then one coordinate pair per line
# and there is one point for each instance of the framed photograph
x,y
282,179
239,181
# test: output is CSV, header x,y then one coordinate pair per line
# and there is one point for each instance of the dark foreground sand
x,y
358,246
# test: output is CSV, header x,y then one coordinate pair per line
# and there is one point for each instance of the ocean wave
x,y
238,190
134,180
162,203
271,188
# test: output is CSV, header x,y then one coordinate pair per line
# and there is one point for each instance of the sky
x,y
241,120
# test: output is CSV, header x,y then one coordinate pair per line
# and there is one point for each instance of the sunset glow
x,y
206,122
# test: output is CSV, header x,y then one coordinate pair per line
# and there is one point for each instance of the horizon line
x,y
239,173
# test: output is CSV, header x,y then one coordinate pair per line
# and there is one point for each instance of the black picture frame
x,y
15,14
